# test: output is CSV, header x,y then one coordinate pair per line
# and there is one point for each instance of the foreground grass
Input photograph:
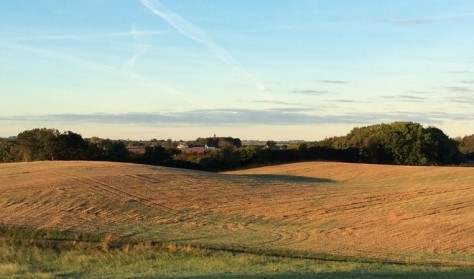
x,y
145,261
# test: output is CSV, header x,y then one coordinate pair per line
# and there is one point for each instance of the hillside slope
x,y
416,214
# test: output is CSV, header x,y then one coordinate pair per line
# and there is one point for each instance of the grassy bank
x,y
146,261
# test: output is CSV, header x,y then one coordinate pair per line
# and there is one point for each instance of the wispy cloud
x,y
421,92
405,98
310,92
471,81
277,103
98,67
216,117
428,20
62,37
295,109
410,97
198,35
140,50
460,72
294,104
459,89
348,101
189,30
195,117
335,81
135,34
467,100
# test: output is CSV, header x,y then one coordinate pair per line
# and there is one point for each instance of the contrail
x,y
105,69
189,30
140,50
196,34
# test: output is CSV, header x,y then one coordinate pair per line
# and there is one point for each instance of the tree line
x,y
42,144
400,143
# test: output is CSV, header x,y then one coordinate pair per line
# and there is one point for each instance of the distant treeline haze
x,y
400,143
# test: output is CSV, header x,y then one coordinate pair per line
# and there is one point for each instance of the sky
x,y
266,69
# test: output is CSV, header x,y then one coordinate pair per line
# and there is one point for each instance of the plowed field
x,y
393,213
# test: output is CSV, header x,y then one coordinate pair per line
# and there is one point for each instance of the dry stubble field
x,y
389,213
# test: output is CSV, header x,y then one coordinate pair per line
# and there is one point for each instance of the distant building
x,y
194,148
183,146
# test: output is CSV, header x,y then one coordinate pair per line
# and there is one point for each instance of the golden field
x,y
377,212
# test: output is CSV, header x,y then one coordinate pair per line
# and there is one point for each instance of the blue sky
x,y
267,69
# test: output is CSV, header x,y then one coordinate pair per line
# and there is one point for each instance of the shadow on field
x,y
286,178
355,274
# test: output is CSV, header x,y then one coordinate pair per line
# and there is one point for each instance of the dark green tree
x,y
156,155
36,145
108,150
271,144
226,158
402,143
442,149
6,151
70,146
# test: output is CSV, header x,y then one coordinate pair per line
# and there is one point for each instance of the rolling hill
x,y
386,213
